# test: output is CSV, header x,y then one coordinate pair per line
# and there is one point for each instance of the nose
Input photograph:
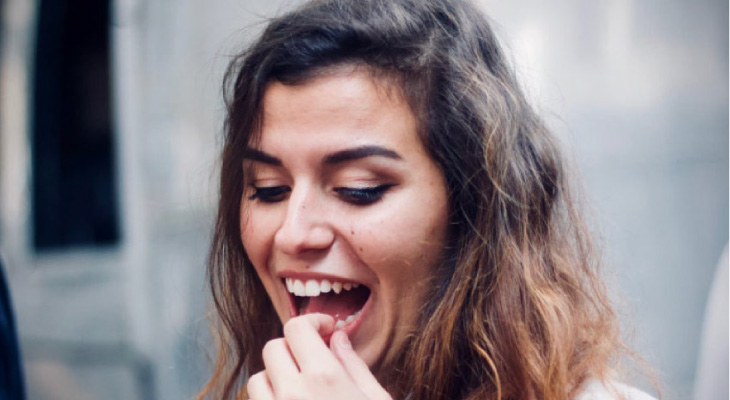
x,y
305,226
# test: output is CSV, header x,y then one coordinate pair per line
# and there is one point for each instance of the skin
x,y
301,366
313,226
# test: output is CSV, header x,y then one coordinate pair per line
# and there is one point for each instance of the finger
x,y
259,387
356,367
281,368
304,335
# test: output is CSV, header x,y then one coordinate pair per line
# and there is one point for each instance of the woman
x,y
394,219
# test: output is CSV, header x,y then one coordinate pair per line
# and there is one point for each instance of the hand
x,y
300,366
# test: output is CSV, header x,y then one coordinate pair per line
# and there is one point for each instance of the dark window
x,y
74,191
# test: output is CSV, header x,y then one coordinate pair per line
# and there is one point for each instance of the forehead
x,y
348,107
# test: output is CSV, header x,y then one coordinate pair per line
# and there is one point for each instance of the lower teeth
x,y
340,323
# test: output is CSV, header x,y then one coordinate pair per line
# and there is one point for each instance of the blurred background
x,y
110,121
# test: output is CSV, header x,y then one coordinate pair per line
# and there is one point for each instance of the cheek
x,y
404,242
257,228
255,238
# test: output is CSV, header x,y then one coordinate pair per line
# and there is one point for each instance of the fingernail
x,y
345,341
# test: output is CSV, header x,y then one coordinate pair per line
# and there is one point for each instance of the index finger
x,y
306,335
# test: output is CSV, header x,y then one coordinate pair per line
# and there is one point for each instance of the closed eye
x,y
363,196
270,194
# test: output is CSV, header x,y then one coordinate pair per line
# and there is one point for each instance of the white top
x,y
597,390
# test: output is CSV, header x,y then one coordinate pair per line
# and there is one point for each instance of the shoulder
x,y
611,390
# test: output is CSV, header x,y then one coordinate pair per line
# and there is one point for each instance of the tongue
x,y
340,306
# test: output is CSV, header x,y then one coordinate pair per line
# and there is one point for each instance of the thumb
x,y
356,367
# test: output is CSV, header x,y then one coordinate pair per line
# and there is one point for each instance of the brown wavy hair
x,y
517,310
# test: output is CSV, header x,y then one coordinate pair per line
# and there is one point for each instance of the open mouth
x,y
344,301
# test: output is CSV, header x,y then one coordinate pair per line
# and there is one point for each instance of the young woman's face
x,y
345,214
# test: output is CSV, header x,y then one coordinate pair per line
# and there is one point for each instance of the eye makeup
x,y
270,194
360,196
363,196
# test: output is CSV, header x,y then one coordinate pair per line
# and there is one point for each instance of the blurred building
x,y
110,120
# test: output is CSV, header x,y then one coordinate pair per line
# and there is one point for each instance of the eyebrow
x,y
260,156
337,157
358,153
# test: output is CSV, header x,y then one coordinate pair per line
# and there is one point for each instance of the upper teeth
x,y
312,288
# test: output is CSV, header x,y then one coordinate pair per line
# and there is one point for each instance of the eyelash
x,y
363,196
356,196
270,194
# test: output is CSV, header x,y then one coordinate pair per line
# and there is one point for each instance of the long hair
x,y
516,309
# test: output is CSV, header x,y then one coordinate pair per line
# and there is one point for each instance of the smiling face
x,y
345,212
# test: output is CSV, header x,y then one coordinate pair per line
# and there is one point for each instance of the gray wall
x,y
636,90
